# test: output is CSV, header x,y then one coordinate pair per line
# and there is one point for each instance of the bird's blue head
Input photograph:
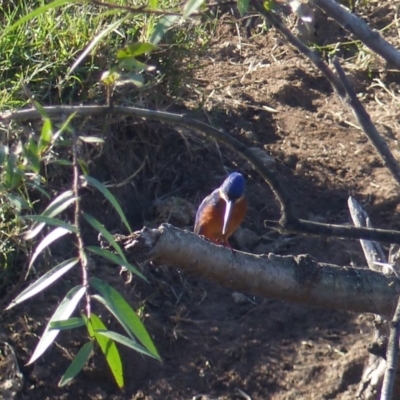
x,y
233,186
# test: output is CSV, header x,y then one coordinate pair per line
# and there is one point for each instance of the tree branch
x,y
367,125
361,30
298,279
288,221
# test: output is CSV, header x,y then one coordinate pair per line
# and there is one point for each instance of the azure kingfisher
x,y
221,212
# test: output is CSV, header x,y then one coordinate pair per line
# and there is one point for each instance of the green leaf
x,y
243,6
107,235
47,241
136,79
51,221
125,315
77,363
13,176
115,259
63,311
131,64
83,165
117,337
162,26
38,188
135,49
153,4
17,202
192,6
31,154
110,197
46,136
64,126
59,204
108,347
66,324
43,282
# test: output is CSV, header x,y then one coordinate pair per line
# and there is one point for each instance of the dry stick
x,y
391,356
367,126
372,250
77,217
288,221
361,30
293,40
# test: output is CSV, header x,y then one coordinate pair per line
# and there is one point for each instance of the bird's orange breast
x,y
210,217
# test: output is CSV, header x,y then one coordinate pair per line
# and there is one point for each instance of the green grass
x,y
40,53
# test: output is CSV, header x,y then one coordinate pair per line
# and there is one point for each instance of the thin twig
x,y
294,41
367,126
361,30
392,354
77,216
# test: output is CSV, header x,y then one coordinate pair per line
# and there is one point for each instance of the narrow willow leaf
x,y
162,26
110,307
107,235
96,40
115,259
18,202
64,126
243,6
59,204
117,337
84,167
43,282
51,221
70,323
47,241
38,188
91,139
77,363
124,312
45,136
192,6
63,311
108,347
110,197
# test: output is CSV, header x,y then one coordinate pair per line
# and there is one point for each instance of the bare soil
x,y
216,344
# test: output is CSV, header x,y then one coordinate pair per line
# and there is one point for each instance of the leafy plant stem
x,y
77,216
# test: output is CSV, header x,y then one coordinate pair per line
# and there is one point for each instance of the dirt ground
x,y
216,344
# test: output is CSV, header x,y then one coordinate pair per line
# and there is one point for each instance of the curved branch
x,y
298,279
288,222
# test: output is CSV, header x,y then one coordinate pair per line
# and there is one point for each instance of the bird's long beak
x,y
228,212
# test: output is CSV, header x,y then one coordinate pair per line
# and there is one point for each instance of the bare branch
x,y
392,355
298,279
367,126
372,250
361,30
